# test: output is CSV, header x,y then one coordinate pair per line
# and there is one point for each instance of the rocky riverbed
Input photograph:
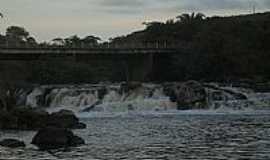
x,y
134,96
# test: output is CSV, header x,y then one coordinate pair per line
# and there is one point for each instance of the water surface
x,y
172,136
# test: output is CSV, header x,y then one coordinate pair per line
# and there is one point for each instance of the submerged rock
x,y
12,143
54,138
65,119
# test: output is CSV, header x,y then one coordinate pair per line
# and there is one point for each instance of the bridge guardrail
x,y
101,46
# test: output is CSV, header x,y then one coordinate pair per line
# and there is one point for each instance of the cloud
x,y
266,3
128,7
173,6
206,4
122,3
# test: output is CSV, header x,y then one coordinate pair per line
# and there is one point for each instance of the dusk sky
x,y
48,19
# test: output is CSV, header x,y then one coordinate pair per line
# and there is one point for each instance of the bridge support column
x,y
140,67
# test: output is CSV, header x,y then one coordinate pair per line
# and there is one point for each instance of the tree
x,y
91,40
1,15
31,41
152,25
17,34
58,42
189,18
73,41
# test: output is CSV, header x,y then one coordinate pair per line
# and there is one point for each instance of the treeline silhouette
x,y
212,48
215,48
16,36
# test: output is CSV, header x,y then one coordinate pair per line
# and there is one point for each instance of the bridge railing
x,y
152,45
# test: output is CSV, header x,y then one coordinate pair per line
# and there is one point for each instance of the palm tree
x,y
188,18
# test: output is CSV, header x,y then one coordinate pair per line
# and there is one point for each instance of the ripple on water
x,y
172,137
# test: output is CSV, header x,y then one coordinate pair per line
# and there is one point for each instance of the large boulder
x,y
54,138
12,143
65,119
23,118
188,95
219,93
27,118
7,120
30,118
126,87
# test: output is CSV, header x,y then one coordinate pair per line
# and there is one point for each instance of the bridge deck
x,y
67,51
37,53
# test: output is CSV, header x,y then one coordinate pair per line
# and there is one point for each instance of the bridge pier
x,y
141,67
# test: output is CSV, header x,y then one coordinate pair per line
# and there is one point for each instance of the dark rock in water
x,y
188,95
27,118
102,92
23,118
88,109
126,87
131,107
219,93
65,119
80,125
191,93
239,96
7,120
54,138
262,87
12,143
30,118
76,141
170,92
217,96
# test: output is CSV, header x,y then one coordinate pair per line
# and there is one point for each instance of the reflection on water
x,y
171,136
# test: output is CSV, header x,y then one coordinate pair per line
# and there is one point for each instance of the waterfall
x,y
101,98
228,98
114,98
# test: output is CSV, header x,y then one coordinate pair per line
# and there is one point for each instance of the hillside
x,y
219,48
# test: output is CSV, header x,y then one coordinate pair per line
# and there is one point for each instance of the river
x,y
166,136
145,124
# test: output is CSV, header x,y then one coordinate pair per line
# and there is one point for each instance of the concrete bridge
x,y
39,53
139,61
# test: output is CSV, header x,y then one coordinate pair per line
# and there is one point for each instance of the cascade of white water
x,y
228,102
32,98
147,97
77,98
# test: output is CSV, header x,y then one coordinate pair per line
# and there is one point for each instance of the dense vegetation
x,y
211,48
216,48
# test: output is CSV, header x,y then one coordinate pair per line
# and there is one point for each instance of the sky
x,y
49,19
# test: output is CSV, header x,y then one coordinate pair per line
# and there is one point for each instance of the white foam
x,y
149,98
